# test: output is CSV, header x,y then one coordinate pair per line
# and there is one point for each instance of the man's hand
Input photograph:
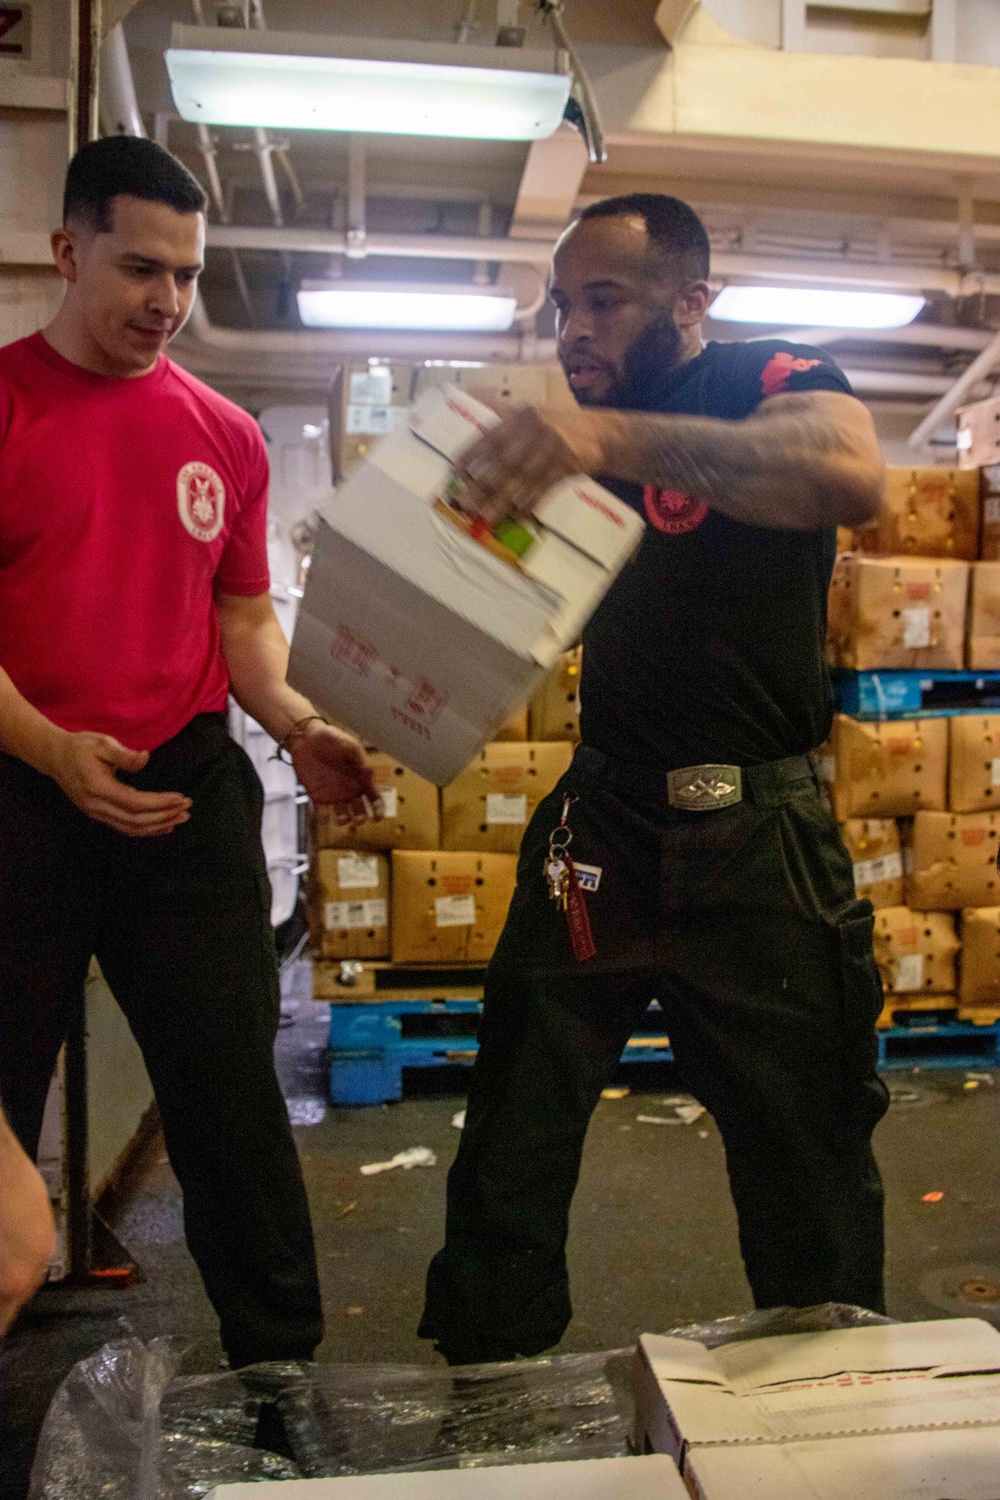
x,y
84,765
509,470
27,1231
331,766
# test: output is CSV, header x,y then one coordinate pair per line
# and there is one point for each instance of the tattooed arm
x,y
803,461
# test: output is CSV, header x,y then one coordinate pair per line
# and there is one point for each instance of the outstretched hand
x,y
331,765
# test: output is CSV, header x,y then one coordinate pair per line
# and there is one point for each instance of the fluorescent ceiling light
x,y
224,76
810,307
366,304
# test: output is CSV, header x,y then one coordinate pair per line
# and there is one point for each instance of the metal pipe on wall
x,y
983,365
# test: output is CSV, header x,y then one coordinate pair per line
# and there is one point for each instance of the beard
x,y
646,368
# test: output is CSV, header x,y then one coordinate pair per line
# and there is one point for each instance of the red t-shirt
x,y
125,506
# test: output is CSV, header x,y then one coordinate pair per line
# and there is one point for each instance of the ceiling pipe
x,y
982,366
934,335
119,106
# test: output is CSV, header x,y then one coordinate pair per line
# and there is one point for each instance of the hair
x,y
129,166
674,229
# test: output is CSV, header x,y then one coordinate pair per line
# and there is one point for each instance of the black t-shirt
x,y
710,645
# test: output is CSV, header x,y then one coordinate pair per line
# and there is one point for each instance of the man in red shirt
x,y
133,600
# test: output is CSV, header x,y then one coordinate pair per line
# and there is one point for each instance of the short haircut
x,y
126,166
674,228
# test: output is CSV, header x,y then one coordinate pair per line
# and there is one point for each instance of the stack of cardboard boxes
x,y
918,799
431,882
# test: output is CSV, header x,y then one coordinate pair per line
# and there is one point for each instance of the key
x,y
557,875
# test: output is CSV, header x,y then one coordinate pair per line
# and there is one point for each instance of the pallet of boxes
x,y
914,760
405,913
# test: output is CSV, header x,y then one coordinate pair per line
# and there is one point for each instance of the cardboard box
x,y
417,634
915,951
489,806
449,907
650,1477
979,434
984,617
349,904
890,1466
789,1388
516,727
989,531
840,610
954,861
412,815
901,612
503,387
875,850
927,513
555,709
887,770
372,401
980,961
974,763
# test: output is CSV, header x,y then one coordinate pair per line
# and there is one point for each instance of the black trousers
x,y
743,923
180,926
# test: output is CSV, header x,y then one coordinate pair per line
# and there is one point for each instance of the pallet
x,y
356,983
370,1045
926,1042
915,695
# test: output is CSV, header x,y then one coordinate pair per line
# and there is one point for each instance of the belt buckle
x,y
704,788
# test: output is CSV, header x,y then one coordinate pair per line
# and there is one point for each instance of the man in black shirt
x,y
724,890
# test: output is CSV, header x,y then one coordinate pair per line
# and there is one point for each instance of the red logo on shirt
x,y
673,512
775,374
201,501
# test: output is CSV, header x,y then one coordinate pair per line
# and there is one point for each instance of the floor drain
x,y
977,1290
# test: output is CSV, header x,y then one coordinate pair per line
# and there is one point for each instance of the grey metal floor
x,y
653,1238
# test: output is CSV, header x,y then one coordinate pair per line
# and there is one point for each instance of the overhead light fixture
x,y
812,307
446,309
287,81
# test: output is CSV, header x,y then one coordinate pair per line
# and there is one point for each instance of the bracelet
x,y
296,729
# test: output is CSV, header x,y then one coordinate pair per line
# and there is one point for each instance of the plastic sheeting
x,y
125,1426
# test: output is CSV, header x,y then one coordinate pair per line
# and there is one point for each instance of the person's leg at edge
x,y
499,1287
772,1018
190,958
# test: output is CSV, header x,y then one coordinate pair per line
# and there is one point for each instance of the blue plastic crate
x,y
932,1044
915,695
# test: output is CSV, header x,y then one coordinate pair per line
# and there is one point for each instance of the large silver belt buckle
x,y
704,788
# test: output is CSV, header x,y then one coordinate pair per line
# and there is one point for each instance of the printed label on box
x,y
373,386
455,911
504,808
390,801
355,916
995,771
875,871
374,420
909,972
916,628
357,872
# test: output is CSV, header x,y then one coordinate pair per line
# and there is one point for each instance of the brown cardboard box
x,y
904,612
979,434
980,961
840,610
888,770
974,763
373,400
927,513
915,950
449,907
516,727
504,387
873,844
488,807
555,708
349,904
989,531
984,618
412,819
954,861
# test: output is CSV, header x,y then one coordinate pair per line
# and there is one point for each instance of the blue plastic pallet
x,y
948,1044
371,1045
915,695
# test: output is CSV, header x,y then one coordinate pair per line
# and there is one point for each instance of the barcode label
x,y
355,916
455,911
874,871
357,872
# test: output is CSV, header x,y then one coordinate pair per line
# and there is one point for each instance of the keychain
x,y
564,887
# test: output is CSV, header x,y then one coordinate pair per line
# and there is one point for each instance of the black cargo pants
x,y
181,928
743,923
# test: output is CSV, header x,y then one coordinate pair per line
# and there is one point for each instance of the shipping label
x,y
356,872
909,972
995,771
390,801
875,871
455,911
355,916
504,808
916,628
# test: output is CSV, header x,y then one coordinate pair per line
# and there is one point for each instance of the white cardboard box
x,y
890,1378
949,1465
415,634
649,1478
